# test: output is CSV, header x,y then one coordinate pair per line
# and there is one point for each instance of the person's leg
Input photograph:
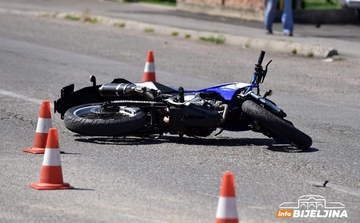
x,y
287,17
270,14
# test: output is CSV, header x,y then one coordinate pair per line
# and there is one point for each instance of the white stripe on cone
x,y
149,67
43,125
227,208
52,157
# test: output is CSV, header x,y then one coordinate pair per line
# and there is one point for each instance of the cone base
x,y
47,186
219,220
34,150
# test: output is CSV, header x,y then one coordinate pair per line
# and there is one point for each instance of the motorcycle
x,y
122,108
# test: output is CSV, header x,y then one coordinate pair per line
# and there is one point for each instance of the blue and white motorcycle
x,y
122,108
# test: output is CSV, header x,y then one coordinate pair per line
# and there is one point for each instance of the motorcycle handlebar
x,y
261,58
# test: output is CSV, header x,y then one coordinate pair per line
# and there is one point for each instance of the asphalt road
x,y
144,180
318,41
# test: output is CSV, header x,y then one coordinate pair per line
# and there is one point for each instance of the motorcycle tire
x,y
87,120
277,125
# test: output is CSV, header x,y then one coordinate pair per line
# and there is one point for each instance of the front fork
x,y
269,105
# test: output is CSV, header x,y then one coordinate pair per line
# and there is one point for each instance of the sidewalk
x,y
308,40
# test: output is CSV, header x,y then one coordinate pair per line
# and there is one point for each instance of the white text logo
x,y
311,206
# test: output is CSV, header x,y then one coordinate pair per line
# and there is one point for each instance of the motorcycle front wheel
x,y
277,125
91,120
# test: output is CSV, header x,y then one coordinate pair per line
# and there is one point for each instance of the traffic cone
x,y
51,173
43,125
226,209
149,70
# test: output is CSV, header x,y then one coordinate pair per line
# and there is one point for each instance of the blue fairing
x,y
227,90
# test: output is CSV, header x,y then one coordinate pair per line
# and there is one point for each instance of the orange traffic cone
x,y
227,210
43,125
149,70
51,173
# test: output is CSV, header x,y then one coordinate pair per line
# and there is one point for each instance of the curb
x,y
281,46
288,47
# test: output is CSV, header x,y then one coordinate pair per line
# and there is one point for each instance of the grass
x,y
187,36
293,51
149,30
171,3
320,4
72,17
90,19
85,17
121,25
175,33
310,54
218,40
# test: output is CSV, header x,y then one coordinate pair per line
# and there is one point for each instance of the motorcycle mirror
x,y
92,79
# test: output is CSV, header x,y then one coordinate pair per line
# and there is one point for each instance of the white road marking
x,y
19,96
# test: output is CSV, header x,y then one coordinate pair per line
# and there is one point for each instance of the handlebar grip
x,y
261,58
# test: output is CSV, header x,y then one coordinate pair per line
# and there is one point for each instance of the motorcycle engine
x,y
194,117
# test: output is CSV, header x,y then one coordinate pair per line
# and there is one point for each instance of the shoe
x,y
269,31
288,34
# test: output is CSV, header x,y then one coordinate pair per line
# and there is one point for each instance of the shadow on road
x,y
286,148
84,189
130,140
209,141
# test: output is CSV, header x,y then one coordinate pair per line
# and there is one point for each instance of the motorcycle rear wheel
x,y
277,125
89,119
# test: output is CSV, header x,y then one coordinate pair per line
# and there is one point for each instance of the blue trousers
x,y
286,17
